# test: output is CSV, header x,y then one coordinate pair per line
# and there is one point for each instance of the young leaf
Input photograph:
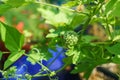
x,y
12,38
12,58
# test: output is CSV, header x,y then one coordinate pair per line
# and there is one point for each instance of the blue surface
x,y
54,63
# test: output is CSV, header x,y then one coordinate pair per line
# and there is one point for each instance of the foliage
x,y
81,49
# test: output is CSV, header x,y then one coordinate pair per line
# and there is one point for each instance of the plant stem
x,y
59,7
108,29
38,63
5,52
85,26
39,75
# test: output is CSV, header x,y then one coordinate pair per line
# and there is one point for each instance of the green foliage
x,y
12,38
110,5
112,8
13,41
12,58
61,15
4,8
10,72
78,19
70,4
15,3
115,49
35,56
81,50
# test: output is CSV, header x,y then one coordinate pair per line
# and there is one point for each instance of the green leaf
x,y
110,5
116,11
35,57
68,60
115,49
12,38
70,4
55,16
0,55
80,68
78,19
86,66
4,8
12,58
15,3
88,38
52,35
116,59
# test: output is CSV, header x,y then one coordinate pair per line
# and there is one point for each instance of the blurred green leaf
x,y
88,38
4,8
78,19
70,4
12,58
35,57
80,68
15,3
116,11
110,5
56,16
116,59
68,60
12,38
51,35
115,49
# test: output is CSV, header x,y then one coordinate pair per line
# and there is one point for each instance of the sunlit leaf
x,y
11,37
51,35
70,4
78,19
110,5
116,11
56,16
12,58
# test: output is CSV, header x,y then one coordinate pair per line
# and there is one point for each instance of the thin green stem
x,y
61,7
39,75
108,29
85,26
5,52
44,67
